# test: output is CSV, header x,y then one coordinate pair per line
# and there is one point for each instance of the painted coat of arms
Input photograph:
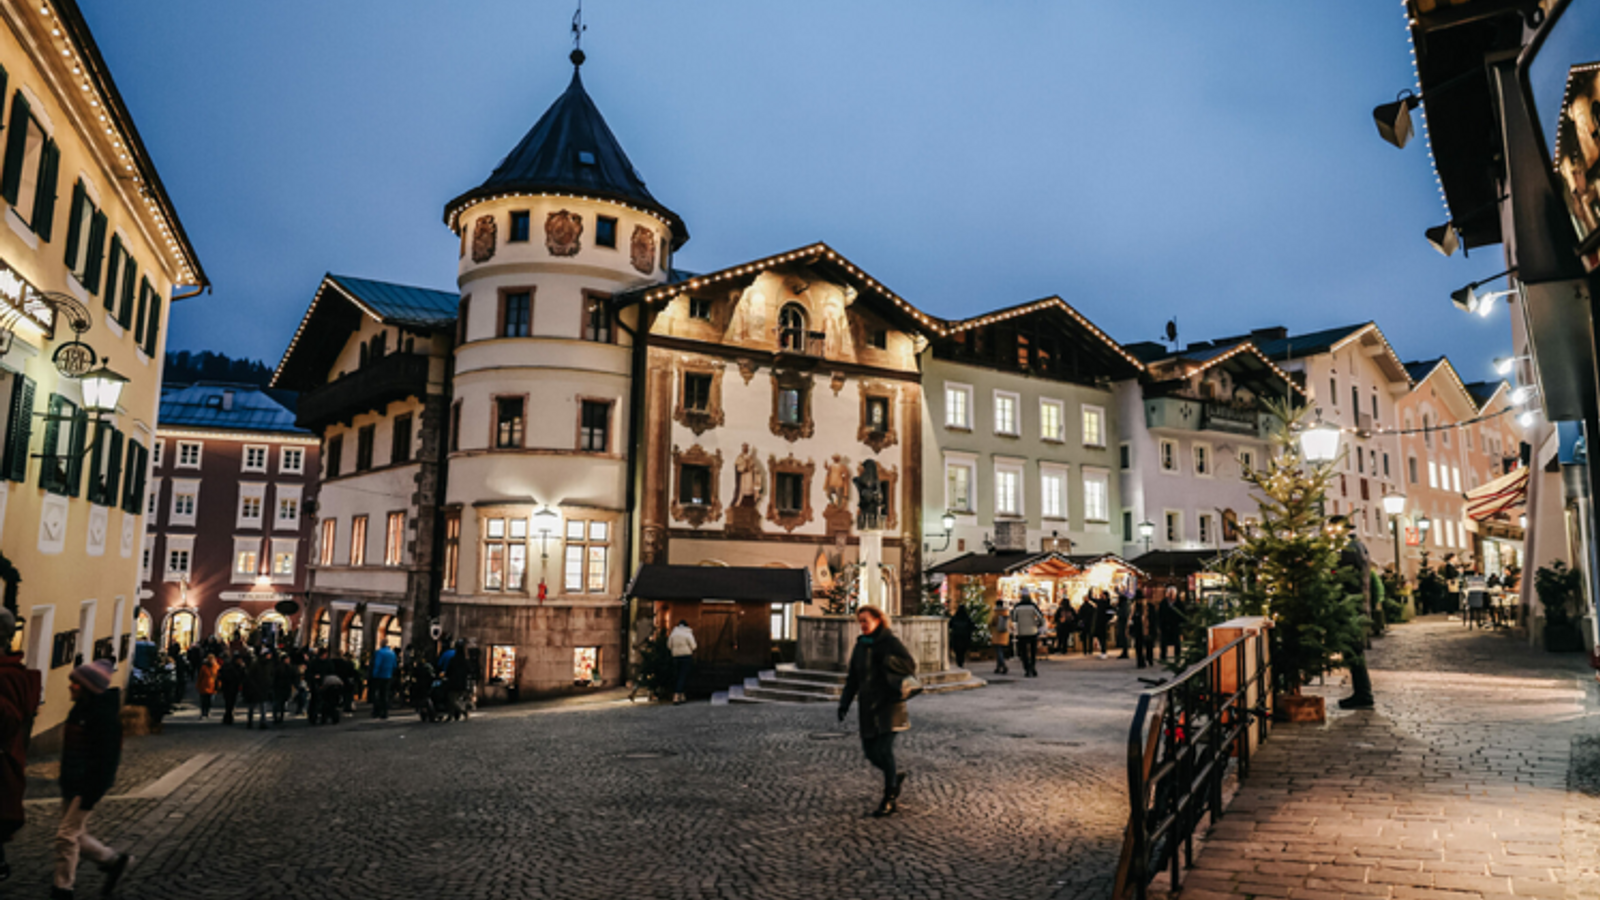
x,y
643,247
563,231
483,237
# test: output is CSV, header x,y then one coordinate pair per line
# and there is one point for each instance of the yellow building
x,y
91,256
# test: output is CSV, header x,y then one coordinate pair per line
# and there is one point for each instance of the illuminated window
x,y
508,423
958,406
330,531
1050,420
1096,495
502,664
586,561
586,666
1094,426
358,541
505,554
394,539
1005,413
452,548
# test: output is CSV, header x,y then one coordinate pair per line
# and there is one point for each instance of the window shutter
x,y
133,477
144,308
20,429
113,470
130,280
113,266
152,328
44,201
75,444
16,148
96,493
97,250
74,235
49,473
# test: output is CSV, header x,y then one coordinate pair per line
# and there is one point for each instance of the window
x,y
502,664
957,406
189,454
508,423
1333,391
1174,527
358,541
29,180
151,499
696,392
694,485
1455,479
292,460
1433,474
130,283
146,557
365,437
250,503
1386,464
330,533
790,406
596,319
880,339
255,458
394,539
1427,433
1125,456
877,414
1052,491
791,492
105,465
1374,407
1411,468
1205,528
116,262
605,231
1051,422
463,308
452,548
135,466
246,558
1169,455
700,308
1127,526
1202,460
958,487
183,507
519,227
594,428
1094,426
178,563
288,518
1007,489
1096,496
516,313
86,238
792,328
400,444
155,453
588,552
283,559
1005,413
1247,462
334,455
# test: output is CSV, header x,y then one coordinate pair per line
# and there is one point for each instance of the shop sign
x,y
253,595
26,299
1413,537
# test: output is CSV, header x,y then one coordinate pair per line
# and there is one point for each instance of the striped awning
x,y
1498,496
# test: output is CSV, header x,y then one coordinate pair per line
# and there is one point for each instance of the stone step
x,y
787,684
777,693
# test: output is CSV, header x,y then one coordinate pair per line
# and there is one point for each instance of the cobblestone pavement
x,y
1017,791
1478,776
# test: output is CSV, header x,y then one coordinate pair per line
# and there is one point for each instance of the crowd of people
x,y
1139,621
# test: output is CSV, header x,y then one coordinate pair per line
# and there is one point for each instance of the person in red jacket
x,y
19,702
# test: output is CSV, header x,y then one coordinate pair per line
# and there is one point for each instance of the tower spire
x,y
578,28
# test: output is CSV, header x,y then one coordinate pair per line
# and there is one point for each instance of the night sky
x,y
1216,162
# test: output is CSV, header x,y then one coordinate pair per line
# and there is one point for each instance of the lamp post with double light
x,y
545,521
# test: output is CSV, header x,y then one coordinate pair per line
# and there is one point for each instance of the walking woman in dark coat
x,y
961,628
877,665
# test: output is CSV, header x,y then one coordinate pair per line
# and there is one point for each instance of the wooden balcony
x,y
370,388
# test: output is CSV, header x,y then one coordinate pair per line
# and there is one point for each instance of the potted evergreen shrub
x,y
1561,593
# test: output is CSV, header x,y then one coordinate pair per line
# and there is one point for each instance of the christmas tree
x,y
1288,565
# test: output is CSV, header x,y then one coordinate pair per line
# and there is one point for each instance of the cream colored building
x,y
91,248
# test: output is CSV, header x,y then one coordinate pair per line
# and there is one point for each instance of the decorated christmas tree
x,y
1288,567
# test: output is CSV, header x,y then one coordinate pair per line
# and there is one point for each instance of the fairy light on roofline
x,y
454,215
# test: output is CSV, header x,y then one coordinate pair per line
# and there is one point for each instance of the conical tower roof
x,y
571,150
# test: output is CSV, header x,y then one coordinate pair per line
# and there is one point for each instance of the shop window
x,y
142,625
452,549
1051,426
320,628
358,541
594,426
516,313
519,227
587,557
700,308
352,635
502,664
505,554
365,437
605,231
330,533
394,539
182,628
508,423
586,666
597,318
400,447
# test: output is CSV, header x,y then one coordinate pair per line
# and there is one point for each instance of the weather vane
x,y
578,28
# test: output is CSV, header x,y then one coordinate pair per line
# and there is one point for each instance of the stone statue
x,y
837,483
869,490
750,479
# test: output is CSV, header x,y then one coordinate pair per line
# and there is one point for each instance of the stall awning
x,y
762,585
1047,564
1173,563
1089,561
1498,496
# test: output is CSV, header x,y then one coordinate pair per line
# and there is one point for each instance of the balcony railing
x,y
802,343
367,389
1231,419
1186,414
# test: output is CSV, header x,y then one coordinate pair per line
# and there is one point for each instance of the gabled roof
x,y
1483,392
335,312
208,404
1329,340
1044,304
570,150
1421,369
1450,380
1244,356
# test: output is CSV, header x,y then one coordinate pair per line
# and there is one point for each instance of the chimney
x,y
1274,333
1010,535
227,401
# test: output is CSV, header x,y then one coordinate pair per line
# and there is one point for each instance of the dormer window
x,y
585,158
792,328
605,231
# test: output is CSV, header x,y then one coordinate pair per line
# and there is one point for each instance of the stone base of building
x,y
549,648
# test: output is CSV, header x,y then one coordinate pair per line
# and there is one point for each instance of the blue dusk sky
x,y
1216,162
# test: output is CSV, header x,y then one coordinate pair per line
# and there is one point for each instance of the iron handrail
x,y
1176,768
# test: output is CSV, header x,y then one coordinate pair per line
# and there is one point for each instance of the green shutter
x,y
50,474
19,430
75,444
16,149
144,307
113,470
96,492
74,234
97,252
152,328
44,198
130,279
113,267
133,473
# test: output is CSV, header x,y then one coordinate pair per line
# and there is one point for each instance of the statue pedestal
x,y
744,521
872,569
838,521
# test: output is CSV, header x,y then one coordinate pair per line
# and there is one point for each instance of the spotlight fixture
x,y
1467,299
1522,394
1394,119
1527,419
1504,364
1444,238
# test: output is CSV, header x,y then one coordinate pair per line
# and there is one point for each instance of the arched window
x,y
350,636
235,624
792,327
320,629
181,627
389,630
275,623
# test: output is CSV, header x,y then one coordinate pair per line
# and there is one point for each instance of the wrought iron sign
x,y
74,359
24,301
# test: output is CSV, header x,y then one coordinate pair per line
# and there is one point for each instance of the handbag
x,y
910,686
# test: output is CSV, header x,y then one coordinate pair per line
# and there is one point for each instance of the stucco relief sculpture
x,y
833,328
747,368
484,231
836,482
837,383
872,506
642,250
563,232
749,478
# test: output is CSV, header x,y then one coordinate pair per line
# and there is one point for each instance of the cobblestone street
x,y
1017,791
1477,776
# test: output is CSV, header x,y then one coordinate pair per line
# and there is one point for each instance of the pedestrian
x,y
878,664
961,629
1066,624
456,672
345,667
316,670
19,703
232,678
180,666
384,665
205,684
1124,614
1169,623
1103,613
1452,584
284,678
1027,620
257,690
1000,637
91,749
1142,628
681,644
1356,568
1086,614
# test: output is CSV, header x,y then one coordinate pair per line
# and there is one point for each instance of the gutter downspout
x,y
196,291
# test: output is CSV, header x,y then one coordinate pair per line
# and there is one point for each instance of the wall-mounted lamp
x,y
1444,238
1147,528
1320,442
948,522
1394,119
1467,299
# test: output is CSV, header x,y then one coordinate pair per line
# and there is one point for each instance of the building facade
x,y
227,511
91,257
1435,432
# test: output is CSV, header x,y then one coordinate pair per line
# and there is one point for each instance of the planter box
x,y
1305,708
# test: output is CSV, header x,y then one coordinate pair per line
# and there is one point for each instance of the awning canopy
x,y
656,582
1048,564
1498,496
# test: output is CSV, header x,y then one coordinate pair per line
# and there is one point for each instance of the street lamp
x,y
1146,529
102,388
1393,506
948,521
1320,442
545,521
1423,524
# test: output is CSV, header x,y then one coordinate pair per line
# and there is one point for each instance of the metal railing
x,y
1184,732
